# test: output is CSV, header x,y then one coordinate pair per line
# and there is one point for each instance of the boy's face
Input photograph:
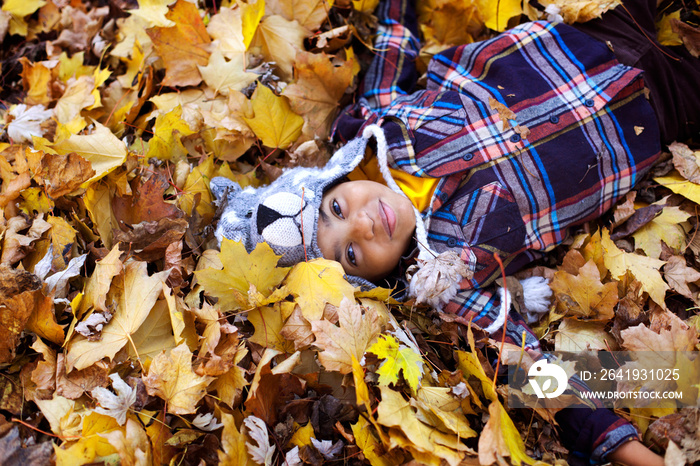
x,y
366,227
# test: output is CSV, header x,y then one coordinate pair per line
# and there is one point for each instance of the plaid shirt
x,y
503,190
582,135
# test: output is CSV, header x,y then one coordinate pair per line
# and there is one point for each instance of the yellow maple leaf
x,y
357,331
222,75
90,445
665,33
226,28
279,40
370,446
171,378
668,227
132,444
99,283
316,283
98,201
268,322
251,13
196,189
36,80
154,335
241,270
133,295
274,122
584,295
101,148
422,439
153,12
575,336
167,132
233,449
580,11
645,269
501,438
397,358
318,87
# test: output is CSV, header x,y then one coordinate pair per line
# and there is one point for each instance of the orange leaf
x,y
182,47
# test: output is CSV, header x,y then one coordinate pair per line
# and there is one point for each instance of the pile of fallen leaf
x,y
127,336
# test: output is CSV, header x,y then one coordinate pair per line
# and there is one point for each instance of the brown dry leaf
x,y
147,203
339,344
686,161
150,240
584,295
16,245
44,376
504,113
42,321
171,378
63,174
182,47
625,210
308,13
298,330
317,89
76,383
270,391
689,35
501,437
19,291
678,275
666,333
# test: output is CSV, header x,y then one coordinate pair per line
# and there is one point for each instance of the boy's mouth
x,y
386,213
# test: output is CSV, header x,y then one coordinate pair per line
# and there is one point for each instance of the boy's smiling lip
x,y
388,217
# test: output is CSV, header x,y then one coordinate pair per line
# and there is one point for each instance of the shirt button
x,y
589,103
468,157
554,119
442,196
451,242
515,138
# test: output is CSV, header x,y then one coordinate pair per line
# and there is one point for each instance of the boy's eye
x,y
351,256
336,208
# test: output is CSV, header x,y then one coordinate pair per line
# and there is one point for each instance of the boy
x,y
467,183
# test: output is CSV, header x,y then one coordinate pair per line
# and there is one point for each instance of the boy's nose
x,y
363,226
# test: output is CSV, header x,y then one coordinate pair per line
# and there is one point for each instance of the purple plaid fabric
x,y
582,135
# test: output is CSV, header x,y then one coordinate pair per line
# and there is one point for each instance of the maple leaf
x,y
233,444
222,75
581,11
298,330
678,275
501,438
168,131
133,446
268,322
279,40
316,283
241,270
679,185
318,87
154,12
226,28
274,122
584,295
261,452
668,227
644,269
116,406
100,282
496,15
171,378
101,148
154,335
397,358
27,122
365,6
576,336
419,438
686,161
133,294
308,13
182,47
357,331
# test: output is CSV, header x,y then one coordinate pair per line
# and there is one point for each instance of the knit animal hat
x,y
285,215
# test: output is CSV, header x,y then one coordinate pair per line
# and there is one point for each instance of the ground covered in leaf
x,y
127,336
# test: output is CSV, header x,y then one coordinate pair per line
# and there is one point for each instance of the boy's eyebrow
x,y
327,222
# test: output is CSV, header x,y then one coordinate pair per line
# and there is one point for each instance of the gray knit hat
x,y
275,214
